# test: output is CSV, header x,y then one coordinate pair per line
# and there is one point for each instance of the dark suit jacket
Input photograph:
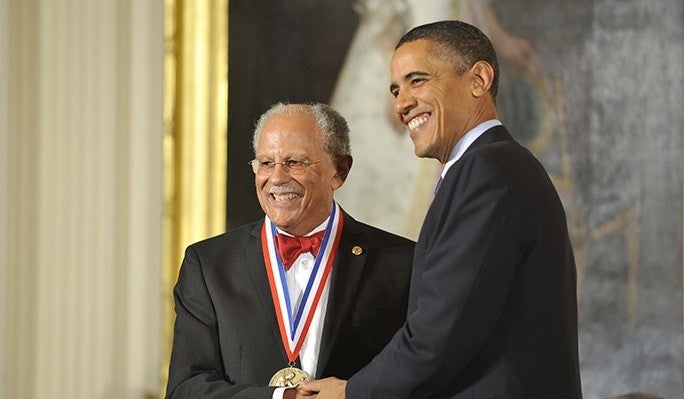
x,y
492,311
227,343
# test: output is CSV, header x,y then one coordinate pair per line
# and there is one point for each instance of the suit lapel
x,y
257,267
346,274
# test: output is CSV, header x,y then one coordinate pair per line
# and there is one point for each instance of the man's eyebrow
x,y
409,76
414,74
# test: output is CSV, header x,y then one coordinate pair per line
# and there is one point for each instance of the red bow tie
x,y
290,247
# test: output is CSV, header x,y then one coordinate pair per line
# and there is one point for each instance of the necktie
x,y
290,247
439,183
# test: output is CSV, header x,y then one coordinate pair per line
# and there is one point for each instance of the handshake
x,y
327,388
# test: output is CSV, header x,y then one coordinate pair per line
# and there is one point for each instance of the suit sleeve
x,y
462,274
196,369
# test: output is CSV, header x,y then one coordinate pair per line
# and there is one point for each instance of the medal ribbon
x,y
292,330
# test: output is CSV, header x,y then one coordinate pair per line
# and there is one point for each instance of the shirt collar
x,y
465,142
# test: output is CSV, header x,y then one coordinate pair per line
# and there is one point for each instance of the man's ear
x,y
343,166
483,76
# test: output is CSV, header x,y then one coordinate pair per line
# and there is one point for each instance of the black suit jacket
x,y
226,339
492,311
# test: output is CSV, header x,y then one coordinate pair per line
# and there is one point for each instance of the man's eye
x,y
293,163
267,164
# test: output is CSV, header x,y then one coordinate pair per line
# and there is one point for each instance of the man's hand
x,y
296,393
327,388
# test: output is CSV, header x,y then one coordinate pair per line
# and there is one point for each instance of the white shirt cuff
x,y
279,392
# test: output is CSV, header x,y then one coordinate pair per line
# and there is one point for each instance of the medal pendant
x,y
289,377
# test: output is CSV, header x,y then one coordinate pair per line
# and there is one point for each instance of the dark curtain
x,y
279,50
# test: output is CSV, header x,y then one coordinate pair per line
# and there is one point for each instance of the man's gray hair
x,y
330,123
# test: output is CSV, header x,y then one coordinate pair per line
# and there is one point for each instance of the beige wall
x,y
4,128
80,198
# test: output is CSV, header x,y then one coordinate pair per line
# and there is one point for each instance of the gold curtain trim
x,y
195,124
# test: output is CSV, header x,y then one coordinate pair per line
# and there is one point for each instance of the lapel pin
x,y
357,250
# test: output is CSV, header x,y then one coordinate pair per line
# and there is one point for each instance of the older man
x,y
307,292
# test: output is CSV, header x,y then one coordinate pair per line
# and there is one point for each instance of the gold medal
x,y
289,377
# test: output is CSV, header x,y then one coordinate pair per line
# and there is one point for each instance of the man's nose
x,y
279,173
403,103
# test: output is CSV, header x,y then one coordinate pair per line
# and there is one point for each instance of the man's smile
x,y
417,121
